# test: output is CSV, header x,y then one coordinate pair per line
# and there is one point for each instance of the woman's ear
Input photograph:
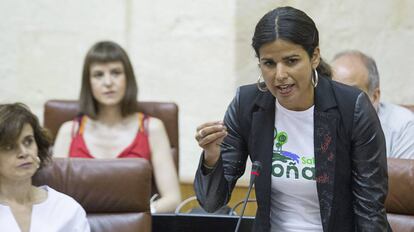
x,y
316,58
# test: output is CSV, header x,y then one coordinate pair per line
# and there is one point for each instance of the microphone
x,y
257,165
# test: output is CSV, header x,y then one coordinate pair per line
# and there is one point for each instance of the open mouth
x,y
285,89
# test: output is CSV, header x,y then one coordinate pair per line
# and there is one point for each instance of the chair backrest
x,y
400,199
410,107
114,193
57,112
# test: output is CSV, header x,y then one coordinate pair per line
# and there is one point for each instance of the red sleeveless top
x,y
139,148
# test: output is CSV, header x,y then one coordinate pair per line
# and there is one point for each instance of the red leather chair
x,y
400,199
114,193
57,112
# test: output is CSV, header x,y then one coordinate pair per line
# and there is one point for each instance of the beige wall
x,y
194,53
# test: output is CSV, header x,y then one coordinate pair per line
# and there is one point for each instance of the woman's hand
x,y
209,137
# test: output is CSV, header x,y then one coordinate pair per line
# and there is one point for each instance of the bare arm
x,y
63,139
166,178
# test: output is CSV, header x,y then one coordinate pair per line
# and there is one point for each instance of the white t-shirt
x,y
58,213
294,199
398,125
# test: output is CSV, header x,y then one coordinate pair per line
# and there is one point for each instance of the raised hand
x,y
209,137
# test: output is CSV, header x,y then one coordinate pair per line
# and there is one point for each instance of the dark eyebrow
x,y
284,58
266,59
291,56
28,137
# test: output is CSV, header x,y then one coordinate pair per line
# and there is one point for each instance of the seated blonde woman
x,y
110,126
24,148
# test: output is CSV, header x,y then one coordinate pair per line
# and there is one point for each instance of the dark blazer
x,y
350,159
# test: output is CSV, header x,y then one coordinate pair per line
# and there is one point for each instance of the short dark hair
x,y
370,65
292,25
103,52
12,119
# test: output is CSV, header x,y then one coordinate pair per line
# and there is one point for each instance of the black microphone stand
x,y
244,207
255,172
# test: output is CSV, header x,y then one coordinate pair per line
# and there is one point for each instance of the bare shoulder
x,y
64,138
155,124
67,127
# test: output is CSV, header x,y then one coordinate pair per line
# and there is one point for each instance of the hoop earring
x,y
37,159
259,84
315,78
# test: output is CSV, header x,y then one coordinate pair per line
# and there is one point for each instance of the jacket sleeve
x,y
369,168
213,187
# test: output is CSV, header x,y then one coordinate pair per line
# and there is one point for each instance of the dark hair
x,y
102,52
370,65
12,119
292,25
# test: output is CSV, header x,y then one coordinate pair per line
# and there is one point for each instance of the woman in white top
x,y
24,148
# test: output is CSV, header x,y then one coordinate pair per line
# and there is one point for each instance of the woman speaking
x,y
320,142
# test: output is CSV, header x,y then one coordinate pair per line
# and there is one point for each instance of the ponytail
x,y
324,69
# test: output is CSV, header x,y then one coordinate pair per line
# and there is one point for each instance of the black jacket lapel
x,y
325,127
261,141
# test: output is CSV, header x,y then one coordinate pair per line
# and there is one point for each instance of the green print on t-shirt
x,y
288,163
